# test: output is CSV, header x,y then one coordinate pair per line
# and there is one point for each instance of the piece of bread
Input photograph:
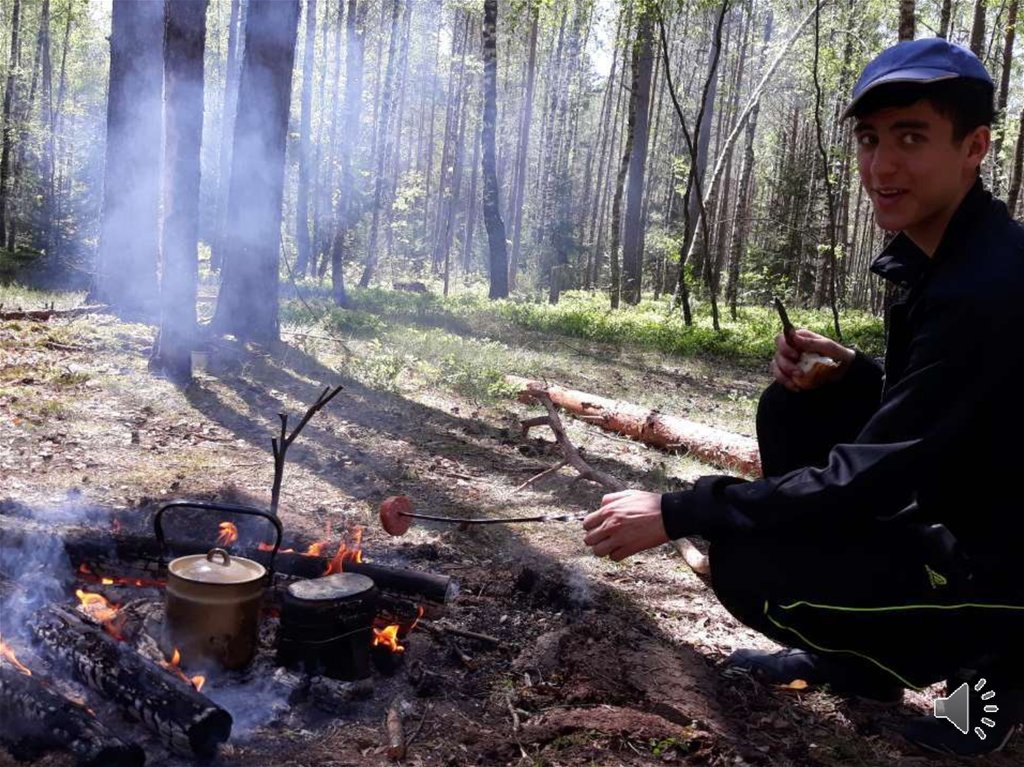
x,y
815,369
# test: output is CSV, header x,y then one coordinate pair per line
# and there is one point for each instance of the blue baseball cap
x,y
928,60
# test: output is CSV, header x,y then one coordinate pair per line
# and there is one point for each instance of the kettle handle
x,y
231,508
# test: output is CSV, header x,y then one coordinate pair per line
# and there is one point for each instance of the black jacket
x,y
944,441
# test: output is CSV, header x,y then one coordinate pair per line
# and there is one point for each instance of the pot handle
x,y
231,508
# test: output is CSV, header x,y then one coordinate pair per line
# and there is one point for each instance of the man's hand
x,y
785,365
627,522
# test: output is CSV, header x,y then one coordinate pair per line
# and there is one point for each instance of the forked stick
x,y
697,561
281,444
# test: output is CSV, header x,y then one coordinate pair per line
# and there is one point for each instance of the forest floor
x,y
600,663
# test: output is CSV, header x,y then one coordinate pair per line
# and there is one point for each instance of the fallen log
x,y
37,719
715,446
41,315
187,722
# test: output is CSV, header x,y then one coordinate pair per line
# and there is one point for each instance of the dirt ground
x,y
600,663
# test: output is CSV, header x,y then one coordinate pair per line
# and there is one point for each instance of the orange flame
x,y
388,636
7,653
107,580
100,610
228,534
174,665
346,554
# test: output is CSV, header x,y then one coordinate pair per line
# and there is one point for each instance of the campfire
x,y
324,623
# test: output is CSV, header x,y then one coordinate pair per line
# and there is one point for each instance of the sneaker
x,y
941,737
843,678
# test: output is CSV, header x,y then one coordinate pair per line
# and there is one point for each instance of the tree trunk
x,y
184,44
633,232
907,21
248,305
1016,167
666,432
303,245
382,147
341,246
944,16
46,114
999,126
126,270
58,136
227,126
522,150
471,206
10,98
492,208
978,29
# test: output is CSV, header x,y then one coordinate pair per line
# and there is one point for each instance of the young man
x,y
884,542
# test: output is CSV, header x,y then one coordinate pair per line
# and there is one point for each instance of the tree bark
x,y
666,432
633,231
227,126
907,20
944,17
126,275
46,157
491,206
10,98
977,44
184,45
248,303
1017,166
341,246
523,148
303,244
383,147
999,126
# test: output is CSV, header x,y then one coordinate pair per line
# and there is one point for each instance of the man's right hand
x,y
785,368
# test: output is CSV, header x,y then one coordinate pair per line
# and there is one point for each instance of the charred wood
x,y
186,721
38,719
336,696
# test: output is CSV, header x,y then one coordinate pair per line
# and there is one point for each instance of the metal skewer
x,y
496,521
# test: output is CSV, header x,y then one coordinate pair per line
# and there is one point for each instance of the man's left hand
x,y
627,522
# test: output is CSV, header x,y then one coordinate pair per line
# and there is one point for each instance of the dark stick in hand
x,y
787,327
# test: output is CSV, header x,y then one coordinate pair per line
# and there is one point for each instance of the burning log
x,y
136,560
36,718
717,447
187,722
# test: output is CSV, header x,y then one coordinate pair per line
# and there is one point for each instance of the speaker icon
x,y
956,708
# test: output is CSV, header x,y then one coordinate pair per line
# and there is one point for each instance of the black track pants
x,y
889,597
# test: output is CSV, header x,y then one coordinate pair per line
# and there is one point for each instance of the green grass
x,y
16,296
652,325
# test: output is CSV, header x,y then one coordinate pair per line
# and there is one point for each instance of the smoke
x,y
35,571
580,593
254,703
